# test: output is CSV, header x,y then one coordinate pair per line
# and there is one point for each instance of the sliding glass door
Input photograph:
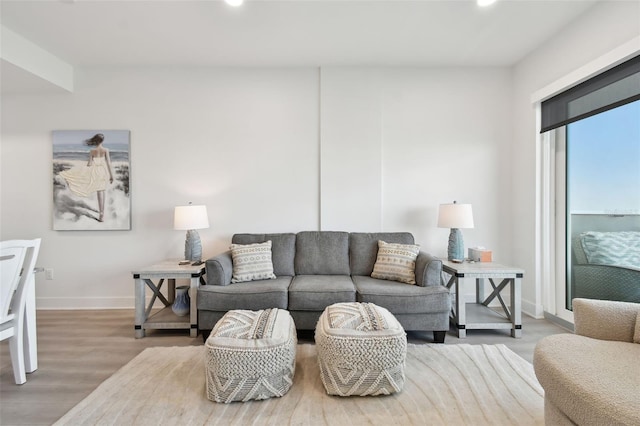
x,y
601,213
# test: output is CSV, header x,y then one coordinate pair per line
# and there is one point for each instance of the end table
x,y
478,315
168,270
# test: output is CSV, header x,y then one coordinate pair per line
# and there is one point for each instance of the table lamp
x,y
190,218
455,216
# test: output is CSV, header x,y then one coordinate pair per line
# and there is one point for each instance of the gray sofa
x,y
315,269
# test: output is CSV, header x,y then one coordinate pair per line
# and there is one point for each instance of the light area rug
x,y
445,385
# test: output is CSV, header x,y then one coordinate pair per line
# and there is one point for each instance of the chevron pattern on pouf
x,y
362,350
250,355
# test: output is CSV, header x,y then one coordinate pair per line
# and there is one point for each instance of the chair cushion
x,y
363,248
316,292
322,253
283,249
401,298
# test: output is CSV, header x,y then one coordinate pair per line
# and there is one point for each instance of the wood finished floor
x,y
78,350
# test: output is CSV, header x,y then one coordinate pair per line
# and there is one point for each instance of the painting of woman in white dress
x,y
91,180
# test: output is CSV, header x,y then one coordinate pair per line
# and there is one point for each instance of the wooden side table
x,y
478,315
168,270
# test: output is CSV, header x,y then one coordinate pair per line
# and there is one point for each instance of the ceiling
x,y
268,33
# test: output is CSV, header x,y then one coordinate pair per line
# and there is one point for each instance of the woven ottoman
x,y
250,355
362,350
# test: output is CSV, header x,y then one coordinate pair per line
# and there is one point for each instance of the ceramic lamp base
x,y
193,246
455,250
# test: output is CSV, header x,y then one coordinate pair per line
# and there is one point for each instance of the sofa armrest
x,y
605,319
219,269
428,270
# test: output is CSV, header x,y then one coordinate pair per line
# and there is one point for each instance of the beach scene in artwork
x,y
76,205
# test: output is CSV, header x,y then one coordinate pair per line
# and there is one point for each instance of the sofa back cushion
x,y
363,248
283,249
322,253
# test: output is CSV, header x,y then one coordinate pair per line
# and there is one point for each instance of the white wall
x,y
409,139
243,142
248,143
601,29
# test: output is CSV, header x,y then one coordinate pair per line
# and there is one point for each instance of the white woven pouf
x,y
250,355
362,350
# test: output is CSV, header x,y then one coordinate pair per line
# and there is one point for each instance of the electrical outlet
x,y
48,273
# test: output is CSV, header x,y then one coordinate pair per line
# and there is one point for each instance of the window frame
x,y
550,231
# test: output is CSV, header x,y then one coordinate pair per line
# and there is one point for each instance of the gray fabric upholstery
x,y
283,249
400,298
428,270
306,320
318,268
219,269
435,321
252,295
316,292
363,248
322,253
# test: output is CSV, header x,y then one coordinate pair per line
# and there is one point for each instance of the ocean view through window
x,y
603,206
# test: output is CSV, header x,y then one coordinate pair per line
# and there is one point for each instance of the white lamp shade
x,y
190,217
455,215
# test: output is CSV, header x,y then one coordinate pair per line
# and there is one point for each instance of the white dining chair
x,y
17,261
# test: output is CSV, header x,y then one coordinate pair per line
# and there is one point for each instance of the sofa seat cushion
x,y
316,292
592,381
400,298
253,295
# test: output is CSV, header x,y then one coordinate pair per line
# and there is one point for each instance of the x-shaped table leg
x,y
496,292
156,294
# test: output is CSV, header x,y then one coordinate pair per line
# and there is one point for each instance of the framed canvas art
x,y
91,180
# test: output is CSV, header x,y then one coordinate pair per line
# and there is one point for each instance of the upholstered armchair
x,y
610,267
592,377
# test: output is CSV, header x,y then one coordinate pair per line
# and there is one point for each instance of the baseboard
x,y
75,303
559,321
61,303
533,310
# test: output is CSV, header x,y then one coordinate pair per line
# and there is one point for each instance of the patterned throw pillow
x,y
612,248
396,262
251,262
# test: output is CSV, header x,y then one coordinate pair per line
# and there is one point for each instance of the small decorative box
x,y
480,254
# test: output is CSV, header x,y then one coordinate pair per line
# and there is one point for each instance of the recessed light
x,y
485,3
234,3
